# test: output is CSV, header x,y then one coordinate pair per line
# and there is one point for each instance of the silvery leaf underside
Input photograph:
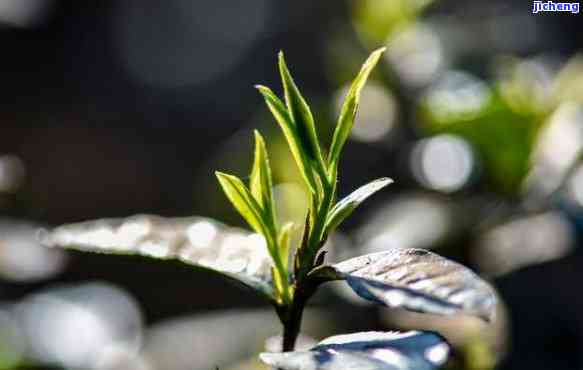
x,y
367,351
417,280
196,241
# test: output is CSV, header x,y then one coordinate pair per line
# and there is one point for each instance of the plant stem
x,y
306,254
291,316
291,327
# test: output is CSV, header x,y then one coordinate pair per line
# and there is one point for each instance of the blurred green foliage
x,y
502,137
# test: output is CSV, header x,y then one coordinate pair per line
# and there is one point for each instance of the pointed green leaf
x,y
285,241
243,201
348,112
344,208
301,115
294,141
412,350
277,281
261,183
417,280
195,241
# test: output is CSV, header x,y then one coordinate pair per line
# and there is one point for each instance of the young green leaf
x,y
261,183
301,116
294,141
243,202
344,208
348,112
195,241
284,242
279,284
405,351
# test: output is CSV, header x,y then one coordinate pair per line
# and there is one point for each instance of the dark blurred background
x,y
112,108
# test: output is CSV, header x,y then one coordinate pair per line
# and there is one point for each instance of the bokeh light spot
x,y
376,115
457,96
414,221
22,258
443,162
71,326
522,242
416,54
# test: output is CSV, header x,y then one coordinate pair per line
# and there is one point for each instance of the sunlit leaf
x,y
261,183
300,114
288,128
243,201
344,208
348,112
417,280
195,241
367,350
284,242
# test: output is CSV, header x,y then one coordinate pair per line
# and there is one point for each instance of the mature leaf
x,y
294,140
261,183
344,208
196,241
417,280
243,201
368,350
348,112
300,114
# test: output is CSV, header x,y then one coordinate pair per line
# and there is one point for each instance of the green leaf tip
x,y
260,179
346,206
261,88
288,127
301,116
348,112
242,200
256,205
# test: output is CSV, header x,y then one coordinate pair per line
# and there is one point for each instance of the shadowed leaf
x,y
196,241
367,350
344,208
417,280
